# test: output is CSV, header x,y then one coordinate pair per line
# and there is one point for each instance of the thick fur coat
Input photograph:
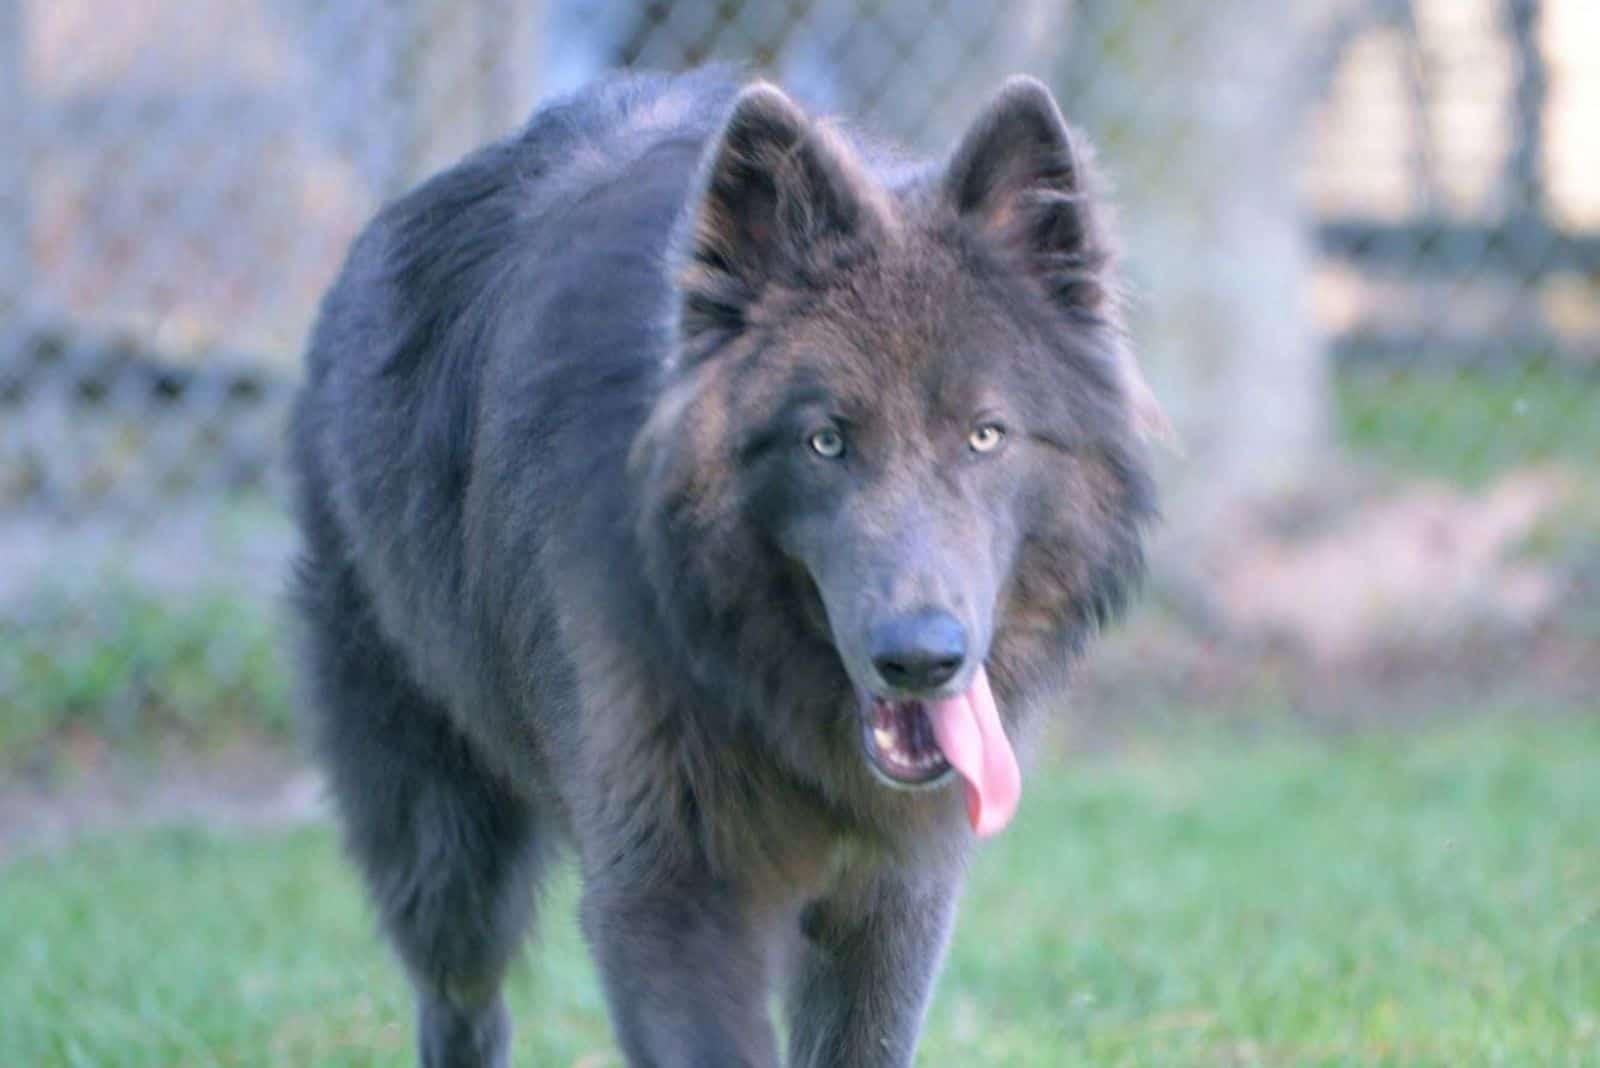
x,y
690,483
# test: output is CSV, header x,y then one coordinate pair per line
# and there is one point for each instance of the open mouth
x,y
911,742
900,743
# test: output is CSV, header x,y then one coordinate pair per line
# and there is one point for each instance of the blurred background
x,y
1363,253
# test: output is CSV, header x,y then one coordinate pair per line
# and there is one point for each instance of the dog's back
x,y
529,272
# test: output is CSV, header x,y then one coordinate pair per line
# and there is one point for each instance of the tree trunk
x,y
437,78
15,158
1199,110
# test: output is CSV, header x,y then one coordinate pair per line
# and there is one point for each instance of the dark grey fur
x,y
572,572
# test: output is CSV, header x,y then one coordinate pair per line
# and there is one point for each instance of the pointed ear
x,y
775,190
1024,179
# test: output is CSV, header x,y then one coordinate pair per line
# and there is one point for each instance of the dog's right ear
x,y
774,191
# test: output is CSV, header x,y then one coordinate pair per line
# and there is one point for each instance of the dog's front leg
x,y
686,981
865,970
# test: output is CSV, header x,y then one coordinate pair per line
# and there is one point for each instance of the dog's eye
x,y
828,443
986,437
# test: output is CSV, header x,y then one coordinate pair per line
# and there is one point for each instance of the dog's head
x,y
902,419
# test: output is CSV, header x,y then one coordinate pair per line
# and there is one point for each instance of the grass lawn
x,y
1469,426
1389,899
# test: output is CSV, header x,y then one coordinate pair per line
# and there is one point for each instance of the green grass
x,y
130,668
1416,900
1470,426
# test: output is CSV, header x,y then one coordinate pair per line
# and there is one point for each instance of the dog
x,y
693,486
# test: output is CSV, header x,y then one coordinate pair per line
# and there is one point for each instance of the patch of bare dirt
x,y
1423,565
1360,602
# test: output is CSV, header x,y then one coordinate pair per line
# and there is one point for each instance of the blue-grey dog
x,y
687,481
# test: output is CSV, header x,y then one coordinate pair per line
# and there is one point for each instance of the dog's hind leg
x,y
449,852
861,982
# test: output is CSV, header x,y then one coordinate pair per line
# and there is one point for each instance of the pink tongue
x,y
971,737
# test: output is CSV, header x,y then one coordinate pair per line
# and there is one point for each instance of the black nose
x,y
919,651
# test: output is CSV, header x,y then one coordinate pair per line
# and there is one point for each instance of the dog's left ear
x,y
1022,177
1026,181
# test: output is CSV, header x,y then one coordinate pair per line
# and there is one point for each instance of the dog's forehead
x,y
907,323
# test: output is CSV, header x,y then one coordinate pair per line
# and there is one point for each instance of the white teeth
x,y
917,759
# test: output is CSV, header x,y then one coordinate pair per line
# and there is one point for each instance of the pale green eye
x,y
986,437
828,443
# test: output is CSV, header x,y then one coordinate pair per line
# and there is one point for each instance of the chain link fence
x,y
1364,247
